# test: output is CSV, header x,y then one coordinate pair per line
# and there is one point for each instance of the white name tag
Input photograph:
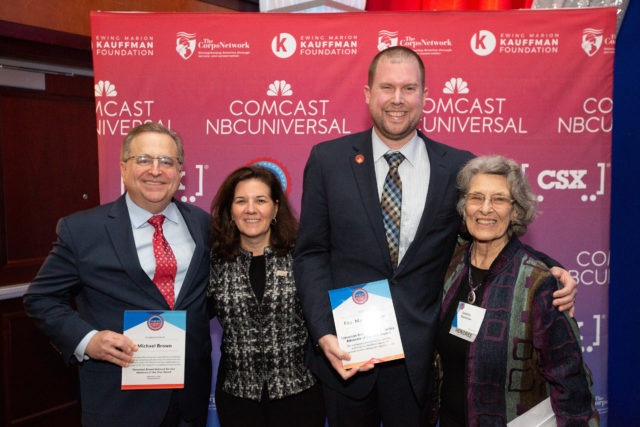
x,y
467,321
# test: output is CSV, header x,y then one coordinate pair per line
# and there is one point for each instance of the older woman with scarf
x,y
503,346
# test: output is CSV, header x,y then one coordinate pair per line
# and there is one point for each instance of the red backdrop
x,y
244,88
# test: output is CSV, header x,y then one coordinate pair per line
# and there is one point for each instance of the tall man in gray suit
x,y
104,262
345,239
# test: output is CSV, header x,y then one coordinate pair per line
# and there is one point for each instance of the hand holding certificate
x,y
366,324
159,361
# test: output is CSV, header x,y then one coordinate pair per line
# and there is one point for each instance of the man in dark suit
x,y
103,263
342,242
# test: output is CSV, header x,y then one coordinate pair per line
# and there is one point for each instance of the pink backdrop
x,y
241,88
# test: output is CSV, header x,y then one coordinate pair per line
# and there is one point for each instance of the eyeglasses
x,y
145,160
497,200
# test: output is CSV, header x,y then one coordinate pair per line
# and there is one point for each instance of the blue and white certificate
x,y
366,323
159,361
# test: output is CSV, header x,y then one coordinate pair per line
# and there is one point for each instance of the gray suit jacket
x,y
93,275
342,242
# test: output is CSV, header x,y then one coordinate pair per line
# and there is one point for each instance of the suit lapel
x,y
362,165
194,266
438,181
119,231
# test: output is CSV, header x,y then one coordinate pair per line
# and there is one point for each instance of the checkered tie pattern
x,y
166,264
391,202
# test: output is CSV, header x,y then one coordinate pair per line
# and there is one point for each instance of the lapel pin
x,y
359,159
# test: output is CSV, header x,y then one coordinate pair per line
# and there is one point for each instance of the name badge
x,y
467,321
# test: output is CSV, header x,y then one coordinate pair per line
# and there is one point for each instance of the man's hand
x,y
111,347
565,298
332,351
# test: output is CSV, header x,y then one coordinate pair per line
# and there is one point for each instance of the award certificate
x,y
366,323
159,361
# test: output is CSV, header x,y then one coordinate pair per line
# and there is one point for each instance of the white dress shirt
x,y
414,173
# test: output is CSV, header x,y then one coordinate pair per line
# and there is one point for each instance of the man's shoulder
x,y
193,211
344,142
92,214
445,149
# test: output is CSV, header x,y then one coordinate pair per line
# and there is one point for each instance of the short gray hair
x,y
524,200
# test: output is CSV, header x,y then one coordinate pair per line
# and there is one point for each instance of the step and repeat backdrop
x,y
245,88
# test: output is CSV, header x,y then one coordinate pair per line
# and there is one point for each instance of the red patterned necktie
x,y
166,265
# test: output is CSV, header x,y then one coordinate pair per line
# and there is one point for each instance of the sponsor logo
x,y
123,45
593,267
155,322
360,296
589,184
104,88
328,45
206,47
483,42
185,44
279,88
458,111
283,45
596,117
116,116
421,45
591,40
387,39
279,113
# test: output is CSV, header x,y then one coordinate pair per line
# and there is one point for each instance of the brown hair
x,y
224,235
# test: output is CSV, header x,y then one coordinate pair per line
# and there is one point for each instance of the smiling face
x,y
488,222
151,186
395,97
252,211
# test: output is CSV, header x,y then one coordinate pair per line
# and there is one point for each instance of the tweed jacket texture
x,y
526,350
263,342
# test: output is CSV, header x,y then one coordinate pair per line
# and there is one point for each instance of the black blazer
x,y
94,266
342,242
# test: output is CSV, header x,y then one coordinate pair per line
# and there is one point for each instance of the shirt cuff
x,y
82,346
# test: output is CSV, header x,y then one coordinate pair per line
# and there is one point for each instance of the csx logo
x,y
562,179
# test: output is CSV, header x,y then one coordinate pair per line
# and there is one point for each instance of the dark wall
x,y
624,290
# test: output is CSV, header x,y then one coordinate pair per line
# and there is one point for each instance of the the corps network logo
x,y
387,39
483,42
277,169
418,43
591,40
283,45
185,44
104,88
